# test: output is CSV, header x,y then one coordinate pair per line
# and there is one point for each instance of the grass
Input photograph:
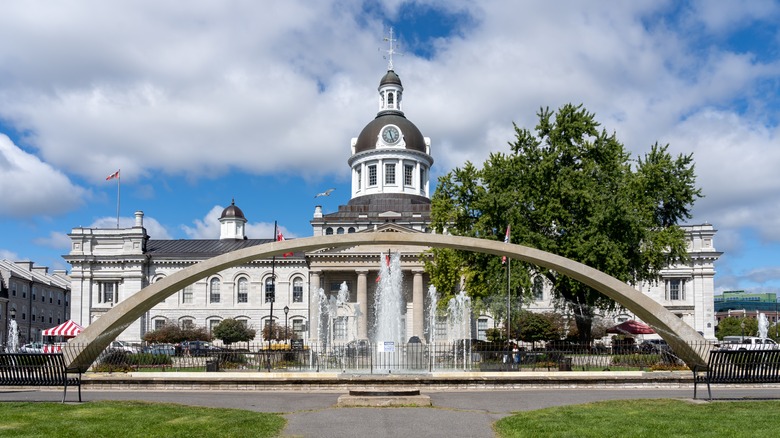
x,y
132,419
647,418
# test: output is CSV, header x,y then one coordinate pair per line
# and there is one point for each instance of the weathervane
x,y
391,51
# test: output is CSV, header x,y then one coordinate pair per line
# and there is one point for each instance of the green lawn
x,y
647,418
132,419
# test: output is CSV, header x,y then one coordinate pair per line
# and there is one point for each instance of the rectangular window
x,y
389,173
675,289
482,325
297,325
214,292
422,179
372,175
108,292
408,174
538,289
187,324
159,323
186,295
359,176
212,324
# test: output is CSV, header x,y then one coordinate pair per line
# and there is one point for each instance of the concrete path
x,y
454,414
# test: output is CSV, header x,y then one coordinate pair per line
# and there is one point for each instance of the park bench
x,y
30,369
738,367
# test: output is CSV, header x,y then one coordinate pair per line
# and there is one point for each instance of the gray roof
x,y
200,248
414,139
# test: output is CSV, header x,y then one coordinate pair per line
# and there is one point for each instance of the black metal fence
x,y
372,358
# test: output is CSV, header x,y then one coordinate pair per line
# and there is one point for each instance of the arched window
x,y
298,290
243,290
538,288
340,230
214,290
270,290
329,231
351,230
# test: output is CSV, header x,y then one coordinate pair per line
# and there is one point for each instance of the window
x,y
187,324
372,175
675,289
538,288
51,297
329,231
482,326
297,325
408,173
159,323
34,291
270,290
108,292
390,97
213,324
340,328
422,179
359,176
389,173
340,230
214,291
351,230
186,294
297,290
243,290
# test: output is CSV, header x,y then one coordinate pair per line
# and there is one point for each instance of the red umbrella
x,y
631,327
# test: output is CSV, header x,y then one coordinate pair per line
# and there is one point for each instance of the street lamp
x,y
286,311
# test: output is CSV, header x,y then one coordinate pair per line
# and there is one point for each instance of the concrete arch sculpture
x,y
85,348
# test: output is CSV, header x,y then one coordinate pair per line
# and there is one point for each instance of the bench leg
x,y
695,384
709,391
65,391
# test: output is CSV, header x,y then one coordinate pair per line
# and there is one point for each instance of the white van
x,y
747,343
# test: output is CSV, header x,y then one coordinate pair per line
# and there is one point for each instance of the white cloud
x,y
154,229
8,255
30,187
54,240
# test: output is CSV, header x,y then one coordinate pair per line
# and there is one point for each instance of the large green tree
x,y
231,330
569,188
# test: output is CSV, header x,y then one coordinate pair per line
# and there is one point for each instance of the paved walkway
x,y
454,414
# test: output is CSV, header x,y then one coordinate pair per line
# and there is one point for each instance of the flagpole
x,y
508,299
118,193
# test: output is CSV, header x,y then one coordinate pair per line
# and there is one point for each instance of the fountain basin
x,y
387,397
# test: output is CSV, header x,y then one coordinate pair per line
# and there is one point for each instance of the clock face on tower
x,y
391,135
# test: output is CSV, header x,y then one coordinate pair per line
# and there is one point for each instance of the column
x,y
418,315
362,299
314,306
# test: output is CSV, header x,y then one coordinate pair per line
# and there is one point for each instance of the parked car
x,y
35,347
654,346
198,348
748,343
163,349
124,346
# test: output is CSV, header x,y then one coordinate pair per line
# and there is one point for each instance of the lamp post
x,y
286,311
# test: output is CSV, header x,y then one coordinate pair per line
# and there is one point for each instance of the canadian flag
x,y
280,238
113,175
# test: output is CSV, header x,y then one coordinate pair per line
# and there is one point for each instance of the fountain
x,y
433,304
763,326
13,337
389,301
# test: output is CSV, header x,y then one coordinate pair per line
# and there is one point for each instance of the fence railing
x,y
371,358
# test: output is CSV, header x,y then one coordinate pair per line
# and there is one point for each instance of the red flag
x,y
279,238
113,175
506,240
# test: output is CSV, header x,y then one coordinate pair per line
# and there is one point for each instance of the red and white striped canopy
x,y
67,329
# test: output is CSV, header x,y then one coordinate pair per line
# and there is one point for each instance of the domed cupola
x,y
390,155
232,223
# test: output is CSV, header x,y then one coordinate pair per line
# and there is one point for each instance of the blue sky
x,y
202,102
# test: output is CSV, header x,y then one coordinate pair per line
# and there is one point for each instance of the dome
x,y
390,78
232,212
412,136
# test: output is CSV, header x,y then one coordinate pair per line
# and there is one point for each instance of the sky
x,y
200,102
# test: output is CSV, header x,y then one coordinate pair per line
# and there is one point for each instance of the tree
x,y
231,330
533,327
733,326
171,333
571,190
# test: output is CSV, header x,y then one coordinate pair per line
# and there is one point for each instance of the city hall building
x,y
390,162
